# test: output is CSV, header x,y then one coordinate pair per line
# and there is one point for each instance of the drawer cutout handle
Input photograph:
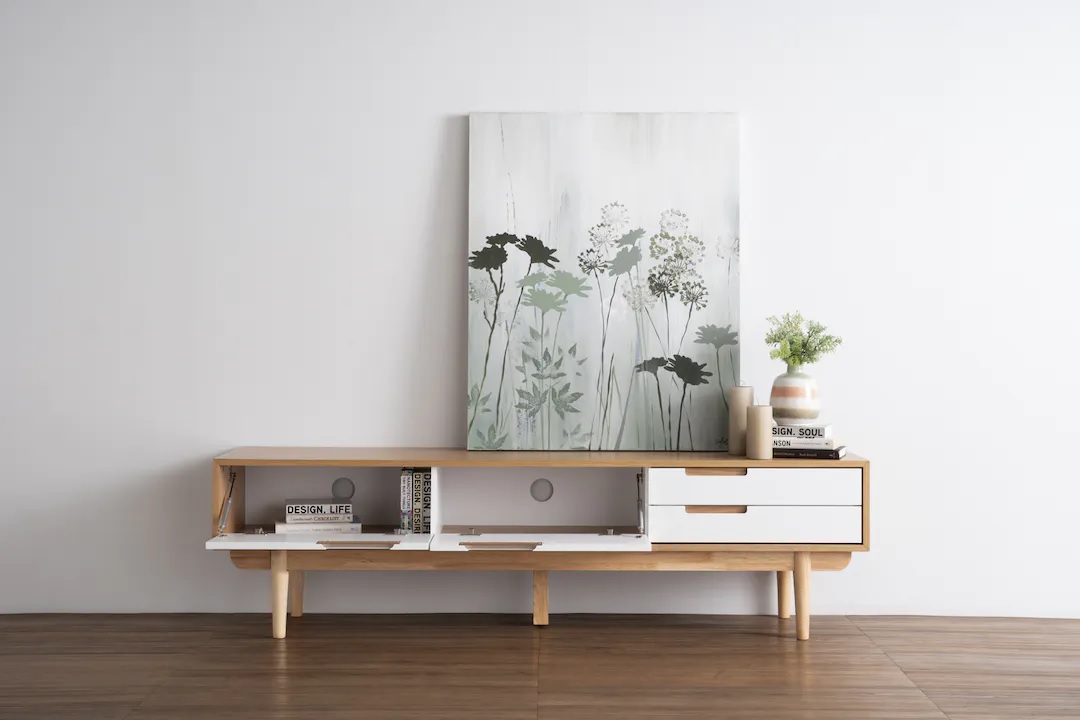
x,y
359,544
725,472
501,545
716,509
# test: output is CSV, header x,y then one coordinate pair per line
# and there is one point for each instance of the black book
x,y
810,453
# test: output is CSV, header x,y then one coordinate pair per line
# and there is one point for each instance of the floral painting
x,y
603,280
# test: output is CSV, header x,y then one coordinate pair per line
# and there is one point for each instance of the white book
x,y
802,432
330,527
319,519
826,444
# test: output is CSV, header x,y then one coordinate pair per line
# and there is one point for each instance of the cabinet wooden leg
x,y
802,595
296,593
540,597
783,594
279,590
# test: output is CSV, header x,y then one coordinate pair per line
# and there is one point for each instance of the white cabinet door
x,y
759,486
757,524
319,541
541,542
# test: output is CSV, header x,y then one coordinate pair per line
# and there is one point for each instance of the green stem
x,y
690,425
593,430
506,350
687,325
658,338
660,404
719,382
678,441
543,391
487,355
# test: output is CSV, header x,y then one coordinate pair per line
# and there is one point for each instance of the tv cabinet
x,y
693,511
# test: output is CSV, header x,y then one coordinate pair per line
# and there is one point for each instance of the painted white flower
x,y
615,216
727,248
674,222
602,237
638,297
481,293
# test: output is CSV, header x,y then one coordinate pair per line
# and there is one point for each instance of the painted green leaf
x,y
532,280
569,283
632,237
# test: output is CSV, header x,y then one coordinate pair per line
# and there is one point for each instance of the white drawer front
x,y
759,524
759,486
541,542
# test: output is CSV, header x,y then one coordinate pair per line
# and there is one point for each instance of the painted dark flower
x,y
652,365
489,257
538,252
693,294
663,283
502,239
688,371
592,261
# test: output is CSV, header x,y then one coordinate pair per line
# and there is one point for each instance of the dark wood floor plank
x,y
146,667
987,668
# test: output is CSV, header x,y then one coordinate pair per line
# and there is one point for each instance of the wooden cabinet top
x,y
456,457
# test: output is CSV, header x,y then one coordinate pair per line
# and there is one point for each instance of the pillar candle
x,y
759,432
739,398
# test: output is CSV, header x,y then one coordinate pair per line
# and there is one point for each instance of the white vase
x,y
794,398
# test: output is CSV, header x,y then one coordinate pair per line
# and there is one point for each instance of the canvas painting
x,y
603,280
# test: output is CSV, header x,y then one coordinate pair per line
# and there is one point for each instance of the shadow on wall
x,y
438,285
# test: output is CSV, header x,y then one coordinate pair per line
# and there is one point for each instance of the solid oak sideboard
x,y
696,511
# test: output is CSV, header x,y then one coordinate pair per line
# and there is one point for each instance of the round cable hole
x,y
343,489
541,490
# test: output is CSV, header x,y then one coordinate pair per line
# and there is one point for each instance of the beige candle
x,y
759,432
739,397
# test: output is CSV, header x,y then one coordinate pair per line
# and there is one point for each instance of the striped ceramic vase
x,y
794,398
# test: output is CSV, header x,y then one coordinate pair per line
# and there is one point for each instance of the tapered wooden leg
x,y
279,591
783,594
540,597
296,593
802,595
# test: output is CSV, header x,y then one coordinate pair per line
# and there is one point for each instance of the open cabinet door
x,y
541,542
319,541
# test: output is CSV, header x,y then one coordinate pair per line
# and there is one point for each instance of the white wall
x,y
244,223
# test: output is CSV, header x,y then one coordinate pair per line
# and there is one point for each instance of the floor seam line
x,y
897,665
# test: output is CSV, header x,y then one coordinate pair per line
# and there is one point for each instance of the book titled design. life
x,y
317,507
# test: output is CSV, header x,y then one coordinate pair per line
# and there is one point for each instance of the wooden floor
x,y
484,666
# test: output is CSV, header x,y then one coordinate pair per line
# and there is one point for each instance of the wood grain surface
x,y
143,667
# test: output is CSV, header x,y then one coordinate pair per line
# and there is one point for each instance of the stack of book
x,y
324,516
416,500
812,442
